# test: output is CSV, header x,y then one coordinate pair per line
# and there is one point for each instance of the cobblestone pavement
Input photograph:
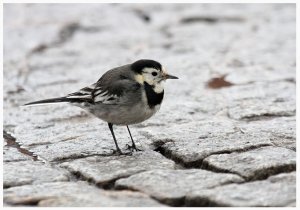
x,y
225,134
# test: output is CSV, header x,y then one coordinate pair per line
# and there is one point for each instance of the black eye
x,y
154,73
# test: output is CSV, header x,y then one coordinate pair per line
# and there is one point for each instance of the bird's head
x,y
151,72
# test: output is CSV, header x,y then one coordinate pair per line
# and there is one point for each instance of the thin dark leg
x,y
110,125
133,144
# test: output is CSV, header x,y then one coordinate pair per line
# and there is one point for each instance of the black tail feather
x,y
51,100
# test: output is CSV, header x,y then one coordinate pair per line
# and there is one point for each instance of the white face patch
x,y
148,77
154,78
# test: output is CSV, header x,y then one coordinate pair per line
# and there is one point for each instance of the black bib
x,y
153,98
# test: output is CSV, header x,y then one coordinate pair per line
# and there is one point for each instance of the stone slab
x,y
282,130
254,164
29,172
105,170
171,186
253,108
74,194
191,152
276,191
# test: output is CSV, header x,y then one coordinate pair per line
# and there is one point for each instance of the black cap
x,y
139,65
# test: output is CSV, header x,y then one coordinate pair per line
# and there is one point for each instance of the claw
x,y
119,152
132,148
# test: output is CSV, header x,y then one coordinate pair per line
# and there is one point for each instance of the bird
x,y
123,96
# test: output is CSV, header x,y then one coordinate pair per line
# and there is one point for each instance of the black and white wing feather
x,y
83,95
119,92
113,88
116,87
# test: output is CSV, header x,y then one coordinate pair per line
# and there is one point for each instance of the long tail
x,y
49,101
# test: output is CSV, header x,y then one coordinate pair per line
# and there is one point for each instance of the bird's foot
x,y
132,148
119,152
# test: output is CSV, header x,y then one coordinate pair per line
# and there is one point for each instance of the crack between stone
x,y
178,202
29,202
105,185
174,202
208,203
110,184
64,35
266,116
260,175
71,158
12,142
212,19
199,163
74,118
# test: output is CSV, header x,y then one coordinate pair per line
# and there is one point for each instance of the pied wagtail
x,y
124,95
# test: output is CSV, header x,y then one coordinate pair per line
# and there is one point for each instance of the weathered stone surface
x,y
281,129
278,91
171,186
104,170
74,194
260,99
204,128
11,154
153,136
254,164
57,127
248,74
191,152
29,172
261,107
279,190
74,136
75,148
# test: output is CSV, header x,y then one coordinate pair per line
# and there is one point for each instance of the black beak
x,y
168,76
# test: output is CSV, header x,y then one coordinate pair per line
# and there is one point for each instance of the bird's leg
x,y
133,144
118,151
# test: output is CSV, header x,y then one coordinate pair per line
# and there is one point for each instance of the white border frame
x,y
162,1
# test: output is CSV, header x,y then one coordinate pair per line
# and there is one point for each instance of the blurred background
x,y
54,49
236,64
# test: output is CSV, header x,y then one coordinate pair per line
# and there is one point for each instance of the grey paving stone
x,y
260,99
73,137
279,190
73,194
171,186
104,170
153,136
282,130
192,151
74,148
204,128
254,164
29,172
59,124
252,108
